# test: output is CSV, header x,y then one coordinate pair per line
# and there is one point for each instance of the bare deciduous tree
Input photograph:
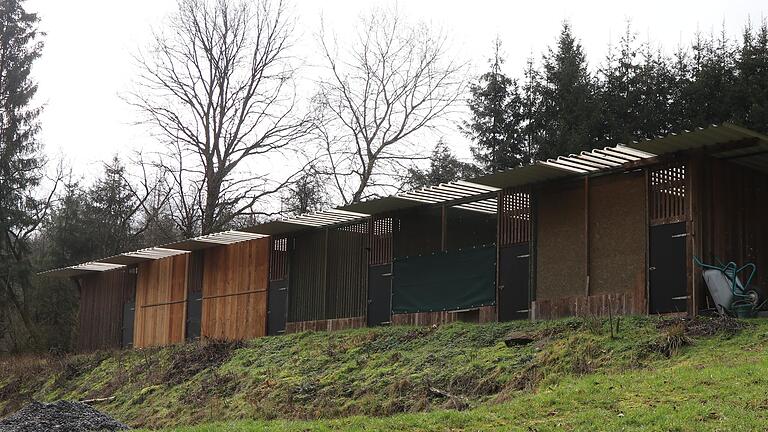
x,y
395,80
217,86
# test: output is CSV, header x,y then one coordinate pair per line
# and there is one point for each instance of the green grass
x,y
576,376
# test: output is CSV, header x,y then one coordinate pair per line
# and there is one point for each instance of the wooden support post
x,y
646,300
325,274
532,248
444,228
586,235
499,216
694,191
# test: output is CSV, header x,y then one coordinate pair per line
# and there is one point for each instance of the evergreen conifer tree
x,y
495,125
443,167
20,158
568,115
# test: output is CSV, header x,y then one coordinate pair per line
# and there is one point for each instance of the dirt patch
x,y
60,416
704,326
191,359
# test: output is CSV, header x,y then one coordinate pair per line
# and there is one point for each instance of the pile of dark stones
x,y
61,416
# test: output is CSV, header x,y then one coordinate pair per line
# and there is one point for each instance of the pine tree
x,y
679,83
20,158
620,90
568,115
495,125
655,87
113,209
750,93
530,105
68,234
705,98
443,167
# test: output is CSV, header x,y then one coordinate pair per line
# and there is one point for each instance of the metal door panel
x,y
514,294
668,268
278,306
379,294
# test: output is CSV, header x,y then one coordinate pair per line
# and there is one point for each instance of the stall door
x,y
129,312
668,268
194,295
277,306
194,315
514,296
379,294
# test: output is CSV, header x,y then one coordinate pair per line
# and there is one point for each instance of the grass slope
x,y
576,376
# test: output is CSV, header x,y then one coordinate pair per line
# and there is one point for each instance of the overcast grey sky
x,y
87,63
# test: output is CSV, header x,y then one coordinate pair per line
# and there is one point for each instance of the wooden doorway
x,y
669,264
514,295
668,268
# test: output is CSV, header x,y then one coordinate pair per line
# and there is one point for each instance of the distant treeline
x,y
567,103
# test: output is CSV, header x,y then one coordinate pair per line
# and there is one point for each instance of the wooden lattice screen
x,y
668,193
514,216
381,241
278,258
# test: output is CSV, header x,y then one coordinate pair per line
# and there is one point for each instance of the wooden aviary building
x,y
608,231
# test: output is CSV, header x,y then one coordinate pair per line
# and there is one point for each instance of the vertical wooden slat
x,y
161,293
235,280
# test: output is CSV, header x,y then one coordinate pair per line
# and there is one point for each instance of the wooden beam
x,y
586,235
444,228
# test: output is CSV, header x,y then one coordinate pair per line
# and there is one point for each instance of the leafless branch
x,y
217,86
395,81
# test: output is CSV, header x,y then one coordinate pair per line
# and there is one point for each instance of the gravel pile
x,y
61,416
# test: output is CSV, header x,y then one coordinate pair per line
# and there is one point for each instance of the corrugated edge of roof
x,y
125,259
382,205
523,175
697,138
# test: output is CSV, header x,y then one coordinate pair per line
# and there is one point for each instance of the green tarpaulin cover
x,y
445,281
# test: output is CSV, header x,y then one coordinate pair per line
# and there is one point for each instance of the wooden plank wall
x,y
100,316
733,204
325,325
235,290
485,314
161,297
623,303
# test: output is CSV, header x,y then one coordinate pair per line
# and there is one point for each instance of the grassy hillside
x,y
650,374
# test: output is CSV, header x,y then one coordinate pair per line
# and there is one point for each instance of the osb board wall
x,y
235,290
100,317
325,325
481,315
161,295
624,303
560,254
734,210
618,233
